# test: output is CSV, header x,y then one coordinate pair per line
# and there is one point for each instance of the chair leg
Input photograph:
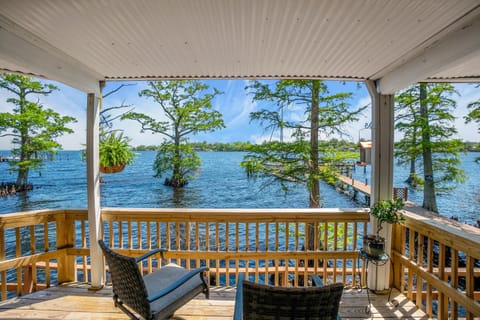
x,y
206,288
119,304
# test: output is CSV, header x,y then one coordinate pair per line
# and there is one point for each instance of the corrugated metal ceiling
x,y
348,39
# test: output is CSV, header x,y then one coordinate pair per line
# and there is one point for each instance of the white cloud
x,y
244,106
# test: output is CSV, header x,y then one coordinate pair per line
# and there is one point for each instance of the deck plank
x,y
74,302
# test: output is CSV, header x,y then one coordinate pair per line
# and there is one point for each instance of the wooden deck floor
x,y
73,301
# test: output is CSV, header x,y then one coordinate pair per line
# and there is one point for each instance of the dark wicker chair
x,y
153,296
256,301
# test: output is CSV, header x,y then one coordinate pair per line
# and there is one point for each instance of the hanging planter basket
x,y
112,169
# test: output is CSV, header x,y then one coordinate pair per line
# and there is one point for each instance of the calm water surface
x,y
220,183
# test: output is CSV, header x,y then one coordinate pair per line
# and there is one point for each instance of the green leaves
x,y
170,156
114,150
387,211
431,130
187,109
32,127
306,109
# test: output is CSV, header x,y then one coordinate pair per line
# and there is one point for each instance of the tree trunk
x,y
22,175
315,183
411,180
429,197
177,180
22,179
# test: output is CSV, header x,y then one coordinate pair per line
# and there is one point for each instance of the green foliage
x,y
343,145
222,146
332,160
187,109
278,162
474,113
183,156
114,150
474,116
387,211
305,109
33,127
438,127
145,148
469,146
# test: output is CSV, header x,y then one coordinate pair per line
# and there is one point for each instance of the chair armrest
x,y
176,284
317,282
238,311
151,253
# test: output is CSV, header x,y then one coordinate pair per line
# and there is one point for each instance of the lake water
x,y
221,183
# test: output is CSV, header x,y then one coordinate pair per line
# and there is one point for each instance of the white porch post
x,y
93,187
382,173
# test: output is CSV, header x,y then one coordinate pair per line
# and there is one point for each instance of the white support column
x,y
382,173
93,187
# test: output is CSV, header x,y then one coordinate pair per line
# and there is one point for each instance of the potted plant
x,y
115,152
384,211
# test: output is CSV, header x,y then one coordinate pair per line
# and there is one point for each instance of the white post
x,y
93,187
382,174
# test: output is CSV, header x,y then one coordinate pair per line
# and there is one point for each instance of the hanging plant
x,y
115,153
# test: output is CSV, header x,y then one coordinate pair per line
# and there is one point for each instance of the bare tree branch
x,y
117,89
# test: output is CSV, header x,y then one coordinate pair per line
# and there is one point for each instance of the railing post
x,y
27,286
66,239
397,246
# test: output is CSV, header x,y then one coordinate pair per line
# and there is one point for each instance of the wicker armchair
x,y
153,296
256,301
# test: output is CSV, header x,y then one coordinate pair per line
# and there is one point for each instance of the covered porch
x,y
386,44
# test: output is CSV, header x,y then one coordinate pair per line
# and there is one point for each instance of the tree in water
x,y
425,117
297,162
474,115
32,127
408,150
188,110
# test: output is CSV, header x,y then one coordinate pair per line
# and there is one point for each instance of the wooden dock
x,y
360,186
348,183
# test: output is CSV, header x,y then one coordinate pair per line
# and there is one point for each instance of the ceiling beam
x,y
32,55
455,48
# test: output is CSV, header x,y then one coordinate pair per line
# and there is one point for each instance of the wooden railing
x,y
436,264
435,261
33,249
269,245
276,246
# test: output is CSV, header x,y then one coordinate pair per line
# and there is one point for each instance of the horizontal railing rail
x,y
437,264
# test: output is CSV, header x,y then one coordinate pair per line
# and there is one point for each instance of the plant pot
x,y
112,169
373,245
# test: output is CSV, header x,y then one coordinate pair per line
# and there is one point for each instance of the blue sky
x,y
234,104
